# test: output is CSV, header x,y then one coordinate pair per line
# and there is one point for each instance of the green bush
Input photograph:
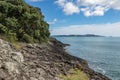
x,y
11,37
22,22
28,38
12,23
3,29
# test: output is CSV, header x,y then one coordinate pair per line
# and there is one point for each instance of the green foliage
x,y
3,29
28,38
37,34
11,36
22,22
12,24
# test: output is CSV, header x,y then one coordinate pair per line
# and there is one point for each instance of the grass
x,y
17,45
75,74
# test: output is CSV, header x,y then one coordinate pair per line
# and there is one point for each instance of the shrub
x,y
28,38
11,36
22,22
3,29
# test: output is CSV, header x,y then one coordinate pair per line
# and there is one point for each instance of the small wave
x,y
99,69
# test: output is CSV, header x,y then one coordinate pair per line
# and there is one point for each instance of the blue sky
x,y
100,17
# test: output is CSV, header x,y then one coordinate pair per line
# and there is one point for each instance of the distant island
x,y
86,35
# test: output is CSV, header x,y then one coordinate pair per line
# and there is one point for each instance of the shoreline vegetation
x,y
28,53
22,22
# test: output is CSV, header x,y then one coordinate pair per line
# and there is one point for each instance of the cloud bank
x,y
88,7
110,29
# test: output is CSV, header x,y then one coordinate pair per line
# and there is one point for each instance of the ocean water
x,y
102,53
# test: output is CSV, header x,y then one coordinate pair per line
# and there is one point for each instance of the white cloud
x,y
53,21
69,8
116,4
88,7
110,29
35,0
97,11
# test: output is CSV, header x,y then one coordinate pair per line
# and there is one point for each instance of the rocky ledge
x,y
40,62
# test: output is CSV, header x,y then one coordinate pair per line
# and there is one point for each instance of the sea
x,y
102,53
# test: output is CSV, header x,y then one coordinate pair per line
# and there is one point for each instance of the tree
x,y
22,22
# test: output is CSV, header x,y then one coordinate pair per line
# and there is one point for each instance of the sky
x,y
100,17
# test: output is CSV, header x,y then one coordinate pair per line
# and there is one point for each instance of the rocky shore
x,y
40,62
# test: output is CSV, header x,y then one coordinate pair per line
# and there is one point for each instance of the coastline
x,y
83,65
41,62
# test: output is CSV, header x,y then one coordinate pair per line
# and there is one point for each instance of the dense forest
x,y
22,22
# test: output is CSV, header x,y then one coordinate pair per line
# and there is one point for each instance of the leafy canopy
x,y
22,22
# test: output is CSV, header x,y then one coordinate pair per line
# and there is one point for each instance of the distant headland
x,y
74,35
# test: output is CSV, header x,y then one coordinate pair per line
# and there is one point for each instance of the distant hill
x,y
86,35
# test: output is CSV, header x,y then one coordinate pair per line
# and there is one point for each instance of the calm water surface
x,y
102,53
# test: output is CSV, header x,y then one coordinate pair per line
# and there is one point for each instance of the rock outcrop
x,y
40,62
